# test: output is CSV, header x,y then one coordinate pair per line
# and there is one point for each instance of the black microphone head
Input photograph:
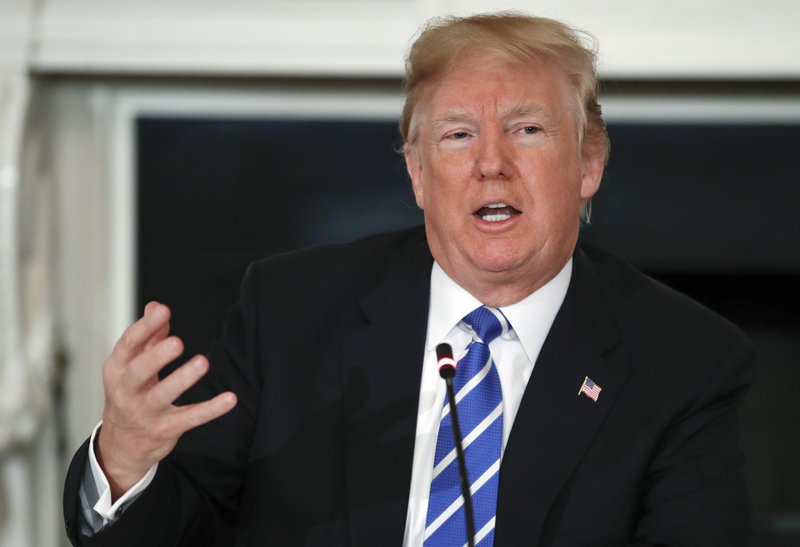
x,y
444,358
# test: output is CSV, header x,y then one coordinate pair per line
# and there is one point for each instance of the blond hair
x,y
519,38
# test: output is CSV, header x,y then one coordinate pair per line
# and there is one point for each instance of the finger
x,y
173,386
132,341
190,416
157,337
143,370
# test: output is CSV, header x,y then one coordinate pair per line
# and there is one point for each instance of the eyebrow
x,y
455,115
527,109
462,115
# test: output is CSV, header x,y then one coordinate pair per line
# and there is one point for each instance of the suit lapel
x,y
554,425
382,360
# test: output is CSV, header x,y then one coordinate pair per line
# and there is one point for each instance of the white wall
x,y
639,39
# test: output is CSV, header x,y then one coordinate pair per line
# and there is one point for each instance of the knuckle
x,y
116,399
159,397
193,420
108,373
135,415
170,347
160,432
197,415
127,340
114,395
193,370
131,376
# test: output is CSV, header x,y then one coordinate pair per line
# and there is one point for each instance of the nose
x,y
494,157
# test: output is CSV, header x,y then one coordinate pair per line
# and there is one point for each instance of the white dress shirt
x,y
97,495
514,355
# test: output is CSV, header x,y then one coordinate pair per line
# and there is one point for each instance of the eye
x,y
530,129
459,135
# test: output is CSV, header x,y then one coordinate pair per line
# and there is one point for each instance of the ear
x,y
414,168
593,166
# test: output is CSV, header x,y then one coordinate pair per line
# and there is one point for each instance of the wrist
x,y
121,475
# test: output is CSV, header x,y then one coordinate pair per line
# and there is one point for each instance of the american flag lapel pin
x,y
590,389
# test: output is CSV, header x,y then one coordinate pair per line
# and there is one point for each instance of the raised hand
x,y
141,425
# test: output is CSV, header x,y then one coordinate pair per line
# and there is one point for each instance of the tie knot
x,y
488,323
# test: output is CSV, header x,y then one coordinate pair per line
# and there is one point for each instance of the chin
x,y
498,263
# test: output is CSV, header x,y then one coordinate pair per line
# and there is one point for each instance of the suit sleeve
x,y
694,491
194,497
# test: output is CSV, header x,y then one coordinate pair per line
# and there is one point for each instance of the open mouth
x,y
496,212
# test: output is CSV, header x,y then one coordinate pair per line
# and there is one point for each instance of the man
x,y
604,410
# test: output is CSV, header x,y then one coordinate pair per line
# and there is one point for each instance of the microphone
x,y
447,370
444,358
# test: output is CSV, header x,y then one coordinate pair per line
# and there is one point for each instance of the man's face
x,y
497,169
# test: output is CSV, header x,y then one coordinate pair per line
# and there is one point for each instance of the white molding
x,y
688,108
15,34
242,37
713,39
121,280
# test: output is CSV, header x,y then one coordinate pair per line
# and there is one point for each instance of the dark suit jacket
x,y
324,351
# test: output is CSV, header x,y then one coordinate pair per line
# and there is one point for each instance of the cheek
x,y
441,180
554,190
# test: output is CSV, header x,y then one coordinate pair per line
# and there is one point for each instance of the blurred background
x,y
152,149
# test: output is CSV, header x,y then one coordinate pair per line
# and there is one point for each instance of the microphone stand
x,y
448,371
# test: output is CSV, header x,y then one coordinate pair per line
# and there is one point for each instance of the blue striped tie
x,y
479,401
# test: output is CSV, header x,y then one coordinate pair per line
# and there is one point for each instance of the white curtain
x,y
28,463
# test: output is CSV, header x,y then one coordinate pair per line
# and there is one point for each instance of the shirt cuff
x,y
107,510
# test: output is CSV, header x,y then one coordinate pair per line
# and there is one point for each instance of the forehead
x,y
483,84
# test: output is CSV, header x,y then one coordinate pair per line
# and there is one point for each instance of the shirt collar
x,y
531,317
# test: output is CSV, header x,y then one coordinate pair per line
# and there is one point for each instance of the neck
x,y
499,289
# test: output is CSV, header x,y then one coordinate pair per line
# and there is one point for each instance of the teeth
x,y
497,205
496,218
